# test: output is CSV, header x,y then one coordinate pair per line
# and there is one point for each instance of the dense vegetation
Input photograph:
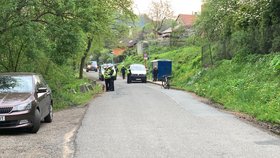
x,y
242,31
55,38
241,27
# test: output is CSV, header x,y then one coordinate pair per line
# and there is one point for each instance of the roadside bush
x,y
66,92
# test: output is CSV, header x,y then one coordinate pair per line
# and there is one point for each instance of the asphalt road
x,y
143,120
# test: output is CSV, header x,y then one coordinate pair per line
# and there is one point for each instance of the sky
x,y
178,6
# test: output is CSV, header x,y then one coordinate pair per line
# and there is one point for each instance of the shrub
x,y
275,63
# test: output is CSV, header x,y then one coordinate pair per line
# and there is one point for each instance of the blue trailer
x,y
164,67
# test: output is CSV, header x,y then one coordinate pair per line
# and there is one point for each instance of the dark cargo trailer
x,y
164,67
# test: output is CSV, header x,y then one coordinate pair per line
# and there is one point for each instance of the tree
x,y
237,26
25,31
159,13
56,32
98,24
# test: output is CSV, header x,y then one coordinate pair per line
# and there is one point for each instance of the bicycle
x,y
165,82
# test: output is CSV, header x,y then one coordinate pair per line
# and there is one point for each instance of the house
x,y
186,20
131,43
167,33
118,51
186,23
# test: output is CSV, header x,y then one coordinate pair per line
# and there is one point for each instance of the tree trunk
x,y
83,59
81,66
18,57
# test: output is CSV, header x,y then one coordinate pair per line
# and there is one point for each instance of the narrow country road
x,y
143,120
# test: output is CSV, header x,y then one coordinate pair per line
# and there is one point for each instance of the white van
x,y
137,72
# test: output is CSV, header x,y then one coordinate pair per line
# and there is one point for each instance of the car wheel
x,y
36,122
144,81
49,117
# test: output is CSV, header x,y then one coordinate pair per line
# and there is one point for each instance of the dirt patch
x,y
264,125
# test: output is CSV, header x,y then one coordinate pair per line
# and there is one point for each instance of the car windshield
x,y
94,63
20,84
137,67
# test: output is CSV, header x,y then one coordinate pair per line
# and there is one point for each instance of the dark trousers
x,y
112,88
128,78
107,84
123,75
154,77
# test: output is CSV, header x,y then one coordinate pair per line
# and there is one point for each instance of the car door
x,y
44,99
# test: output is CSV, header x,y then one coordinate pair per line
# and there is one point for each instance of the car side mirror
x,y
42,90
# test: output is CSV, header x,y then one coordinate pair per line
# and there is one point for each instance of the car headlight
x,y
22,107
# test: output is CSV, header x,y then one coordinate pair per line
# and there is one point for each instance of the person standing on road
x,y
128,75
113,77
123,69
107,78
117,70
155,73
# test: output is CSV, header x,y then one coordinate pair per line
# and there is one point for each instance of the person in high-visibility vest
x,y
113,76
107,77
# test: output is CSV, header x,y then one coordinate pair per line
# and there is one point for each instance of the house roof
x,y
187,20
118,51
131,43
170,29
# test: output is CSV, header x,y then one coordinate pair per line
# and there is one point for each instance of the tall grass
x,y
64,82
250,86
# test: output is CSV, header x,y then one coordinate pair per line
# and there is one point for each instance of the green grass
x,y
244,84
250,86
70,99
63,84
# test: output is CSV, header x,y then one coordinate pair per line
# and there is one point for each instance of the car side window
x,y
40,82
43,81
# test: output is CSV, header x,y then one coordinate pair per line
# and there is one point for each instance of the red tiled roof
x,y
118,51
187,20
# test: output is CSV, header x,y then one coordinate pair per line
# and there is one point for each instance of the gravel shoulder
x,y
52,140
